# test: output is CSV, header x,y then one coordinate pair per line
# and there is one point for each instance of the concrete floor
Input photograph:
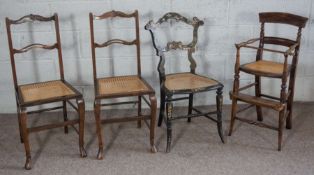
x,y
196,147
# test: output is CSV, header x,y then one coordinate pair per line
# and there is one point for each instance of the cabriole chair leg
x,y
81,108
98,130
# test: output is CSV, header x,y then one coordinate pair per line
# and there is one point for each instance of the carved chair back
x,y
281,18
94,45
13,51
173,45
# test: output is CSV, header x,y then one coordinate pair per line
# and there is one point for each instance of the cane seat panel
x,y
122,85
188,81
265,67
45,90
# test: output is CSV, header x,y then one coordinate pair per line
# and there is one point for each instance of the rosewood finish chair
x,y
284,70
122,86
29,95
186,83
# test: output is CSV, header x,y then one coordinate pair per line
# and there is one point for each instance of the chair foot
x,y
220,132
83,152
28,163
153,149
160,118
189,120
100,154
168,148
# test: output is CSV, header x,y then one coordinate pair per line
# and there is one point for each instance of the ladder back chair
x,y
284,70
186,83
29,95
122,86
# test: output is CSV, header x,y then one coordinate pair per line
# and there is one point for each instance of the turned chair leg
x,y
28,163
233,115
98,129
289,109
258,94
139,111
280,128
153,103
65,116
162,107
81,109
190,106
290,105
169,128
219,114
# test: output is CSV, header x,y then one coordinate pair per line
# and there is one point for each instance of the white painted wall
x,y
226,22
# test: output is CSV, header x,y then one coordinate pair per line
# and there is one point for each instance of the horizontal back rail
x,y
35,45
115,41
283,18
279,41
113,13
30,18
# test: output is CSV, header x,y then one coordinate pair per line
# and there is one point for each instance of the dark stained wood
x,y
22,105
283,70
100,94
284,18
168,90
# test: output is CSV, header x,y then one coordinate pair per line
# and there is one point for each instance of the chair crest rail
x,y
31,18
113,13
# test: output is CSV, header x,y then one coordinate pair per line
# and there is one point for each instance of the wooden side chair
x,y
284,70
122,86
186,83
29,95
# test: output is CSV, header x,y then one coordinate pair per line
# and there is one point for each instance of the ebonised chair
x,y
29,95
186,83
284,70
122,86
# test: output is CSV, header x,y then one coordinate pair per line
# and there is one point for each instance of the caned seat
x,y
122,85
45,91
181,83
188,81
265,68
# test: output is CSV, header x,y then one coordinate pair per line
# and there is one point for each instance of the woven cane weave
x,y
120,85
264,67
45,90
186,81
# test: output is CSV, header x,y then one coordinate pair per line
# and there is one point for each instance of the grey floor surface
x,y
196,147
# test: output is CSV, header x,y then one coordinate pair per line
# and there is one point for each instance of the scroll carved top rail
x,y
114,13
31,18
195,23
